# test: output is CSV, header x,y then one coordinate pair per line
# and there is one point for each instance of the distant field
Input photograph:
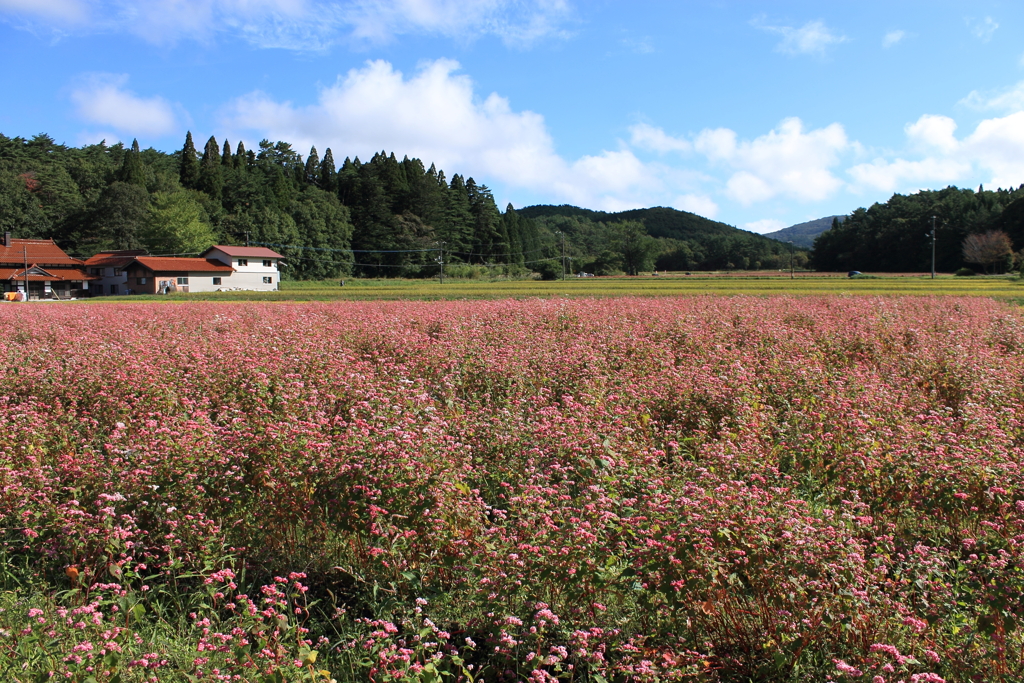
x,y
663,285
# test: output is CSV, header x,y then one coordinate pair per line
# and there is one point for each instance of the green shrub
x,y
964,272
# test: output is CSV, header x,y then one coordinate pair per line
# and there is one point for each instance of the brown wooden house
x,y
40,269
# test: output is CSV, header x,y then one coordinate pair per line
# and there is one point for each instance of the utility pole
x,y
440,263
792,275
562,234
933,247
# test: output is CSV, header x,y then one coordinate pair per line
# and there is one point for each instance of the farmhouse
x,y
255,267
108,268
48,272
159,275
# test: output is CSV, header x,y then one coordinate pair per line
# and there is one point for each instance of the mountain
x,y
683,241
659,221
803,234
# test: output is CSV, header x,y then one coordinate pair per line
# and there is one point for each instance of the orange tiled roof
x,y
117,259
245,252
43,252
182,265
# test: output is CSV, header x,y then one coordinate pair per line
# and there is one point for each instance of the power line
x,y
402,251
346,251
415,265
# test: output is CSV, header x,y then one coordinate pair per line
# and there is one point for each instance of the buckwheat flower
x,y
846,669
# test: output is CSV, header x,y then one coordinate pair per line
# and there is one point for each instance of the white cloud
x,y
813,38
787,161
931,133
305,24
435,115
1008,99
893,37
983,29
654,139
996,147
700,204
101,99
61,12
765,225
900,174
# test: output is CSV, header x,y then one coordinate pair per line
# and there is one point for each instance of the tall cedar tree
x,y
240,160
211,179
225,155
132,170
456,226
188,169
312,169
327,172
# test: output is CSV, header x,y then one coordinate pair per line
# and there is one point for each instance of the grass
x,y
999,287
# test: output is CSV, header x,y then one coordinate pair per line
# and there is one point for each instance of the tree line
x,y
659,238
384,217
981,229
380,218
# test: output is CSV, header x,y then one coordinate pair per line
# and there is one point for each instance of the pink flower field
x,y
691,489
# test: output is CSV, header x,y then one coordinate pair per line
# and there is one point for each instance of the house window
x,y
267,263
268,280
113,289
117,272
216,280
243,261
140,280
182,280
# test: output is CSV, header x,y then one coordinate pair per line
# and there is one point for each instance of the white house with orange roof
x,y
256,268
163,274
109,269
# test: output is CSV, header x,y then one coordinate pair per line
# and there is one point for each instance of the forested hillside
x,y
384,217
895,236
676,240
380,218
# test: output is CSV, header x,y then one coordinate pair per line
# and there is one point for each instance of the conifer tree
x,y
240,160
513,228
347,179
489,236
211,180
188,169
456,227
132,170
327,172
225,157
312,170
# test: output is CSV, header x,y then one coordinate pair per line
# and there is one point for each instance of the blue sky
x,y
757,114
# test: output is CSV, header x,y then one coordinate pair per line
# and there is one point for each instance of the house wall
x,y
149,287
251,275
102,286
203,282
50,289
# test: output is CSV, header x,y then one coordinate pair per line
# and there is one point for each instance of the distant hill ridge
x,y
660,221
803,234
683,241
